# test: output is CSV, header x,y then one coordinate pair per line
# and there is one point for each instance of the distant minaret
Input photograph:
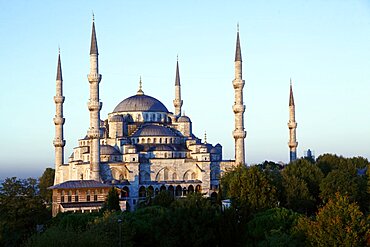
x,y
59,142
292,125
238,107
177,102
94,106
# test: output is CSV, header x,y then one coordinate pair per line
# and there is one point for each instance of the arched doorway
x,y
163,188
156,191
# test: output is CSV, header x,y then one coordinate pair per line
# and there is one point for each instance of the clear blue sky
x,y
323,45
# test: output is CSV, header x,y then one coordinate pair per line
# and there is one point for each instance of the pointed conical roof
x,y
94,43
291,98
177,81
59,69
238,53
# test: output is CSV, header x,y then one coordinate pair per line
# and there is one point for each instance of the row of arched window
x,y
69,196
155,140
177,191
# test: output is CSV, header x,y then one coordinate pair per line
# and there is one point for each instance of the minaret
x,y
292,125
177,102
238,107
59,142
94,106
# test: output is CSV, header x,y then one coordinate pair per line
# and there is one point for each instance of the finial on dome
x,y
237,27
93,16
140,91
205,137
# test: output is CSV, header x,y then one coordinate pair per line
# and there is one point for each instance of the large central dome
x,y
140,103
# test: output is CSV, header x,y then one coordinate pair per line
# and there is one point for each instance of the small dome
x,y
139,103
184,119
116,118
154,130
108,150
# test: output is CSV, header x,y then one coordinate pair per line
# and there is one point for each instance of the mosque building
x,y
142,148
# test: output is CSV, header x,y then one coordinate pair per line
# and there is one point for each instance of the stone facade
x,y
142,148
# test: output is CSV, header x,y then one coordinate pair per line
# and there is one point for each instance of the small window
x,y
76,196
88,196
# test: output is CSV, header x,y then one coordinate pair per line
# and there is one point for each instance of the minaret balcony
x,y
59,99
292,144
292,125
58,120
238,108
177,103
93,133
238,134
59,143
238,84
94,77
94,106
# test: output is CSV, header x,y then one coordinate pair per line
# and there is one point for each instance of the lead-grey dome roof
x,y
154,130
108,150
140,103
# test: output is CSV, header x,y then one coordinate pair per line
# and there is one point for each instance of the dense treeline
x,y
306,203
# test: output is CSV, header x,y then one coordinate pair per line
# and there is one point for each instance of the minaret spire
x,y
292,125
59,141
239,133
177,102
94,106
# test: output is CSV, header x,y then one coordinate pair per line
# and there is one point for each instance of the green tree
x,y
249,188
45,181
301,183
21,209
273,227
338,223
112,201
346,180
329,162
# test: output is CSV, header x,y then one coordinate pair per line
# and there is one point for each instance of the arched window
x,y
165,174
96,195
70,196
88,195
150,191
62,196
171,190
178,191
160,140
174,176
163,188
125,192
76,196
121,177
154,140
191,189
149,140
142,191
193,176
198,189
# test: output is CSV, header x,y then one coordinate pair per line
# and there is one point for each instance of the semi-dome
x,y
140,103
184,119
154,130
116,118
108,150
